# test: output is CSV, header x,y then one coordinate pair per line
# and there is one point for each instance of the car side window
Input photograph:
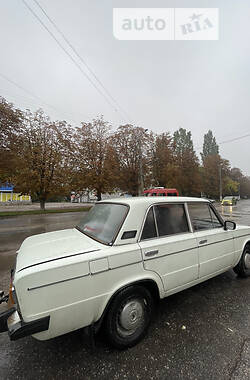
x,y
200,216
215,220
171,219
149,229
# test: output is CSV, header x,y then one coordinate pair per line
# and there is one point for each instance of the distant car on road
x,y
110,270
229,201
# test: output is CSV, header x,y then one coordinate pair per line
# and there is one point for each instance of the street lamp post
x,y
141,181
220,182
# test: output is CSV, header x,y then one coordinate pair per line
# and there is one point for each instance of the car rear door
x,y
168,245
216,246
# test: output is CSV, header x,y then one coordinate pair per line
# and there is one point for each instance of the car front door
x,y
169,247
216,246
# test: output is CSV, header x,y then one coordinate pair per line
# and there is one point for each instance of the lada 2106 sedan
x,y
109,270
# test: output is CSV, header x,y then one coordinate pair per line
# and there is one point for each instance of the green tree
x,y
210,146
187,177
231,187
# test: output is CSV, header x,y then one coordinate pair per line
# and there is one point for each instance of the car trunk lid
x,y
55,245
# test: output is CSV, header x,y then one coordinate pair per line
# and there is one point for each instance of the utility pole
x,y
141,181
141,184
220,182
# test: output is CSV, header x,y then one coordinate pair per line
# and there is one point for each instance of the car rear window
x,y
103,221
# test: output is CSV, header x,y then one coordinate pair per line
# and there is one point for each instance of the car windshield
x,y
228,198
103,221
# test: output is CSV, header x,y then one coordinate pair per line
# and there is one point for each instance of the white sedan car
x,y
123,256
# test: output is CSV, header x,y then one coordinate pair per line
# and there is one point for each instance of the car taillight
x,y
12,295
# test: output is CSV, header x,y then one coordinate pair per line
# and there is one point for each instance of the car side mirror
x,y
229,225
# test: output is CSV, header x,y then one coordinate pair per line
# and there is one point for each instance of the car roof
x,y
146,201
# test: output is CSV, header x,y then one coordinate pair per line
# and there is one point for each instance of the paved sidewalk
x,y
36,206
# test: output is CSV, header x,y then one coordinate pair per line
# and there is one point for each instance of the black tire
x,y
243,267
128,316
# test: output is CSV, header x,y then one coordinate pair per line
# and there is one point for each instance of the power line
x,y
80,57
231,140
68,54
16,98
23,89
31,94
230,135
236,138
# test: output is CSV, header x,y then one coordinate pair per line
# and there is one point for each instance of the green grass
x,y
39,212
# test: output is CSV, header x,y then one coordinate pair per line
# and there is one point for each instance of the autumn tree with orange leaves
x,y
11,120
42,165
132,147
164,164
94,157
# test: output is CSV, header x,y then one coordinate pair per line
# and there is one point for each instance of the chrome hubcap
x,y
247,260
131,316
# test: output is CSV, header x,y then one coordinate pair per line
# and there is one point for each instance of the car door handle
x,y
152,253
203,241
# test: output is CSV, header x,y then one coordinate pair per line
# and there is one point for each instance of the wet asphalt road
x,y
215,343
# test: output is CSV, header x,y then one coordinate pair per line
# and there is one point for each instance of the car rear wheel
x,y
129,316
243,267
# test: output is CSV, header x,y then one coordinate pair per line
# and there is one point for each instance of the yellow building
x,y
7,195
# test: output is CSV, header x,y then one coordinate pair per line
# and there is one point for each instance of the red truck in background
x,y
160,191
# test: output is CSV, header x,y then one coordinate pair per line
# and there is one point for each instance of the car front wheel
x,y
129,316
243,267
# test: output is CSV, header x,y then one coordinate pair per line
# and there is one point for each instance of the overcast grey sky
x,y
162,85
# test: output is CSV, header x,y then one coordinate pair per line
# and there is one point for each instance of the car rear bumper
x,y
4,317
10,321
